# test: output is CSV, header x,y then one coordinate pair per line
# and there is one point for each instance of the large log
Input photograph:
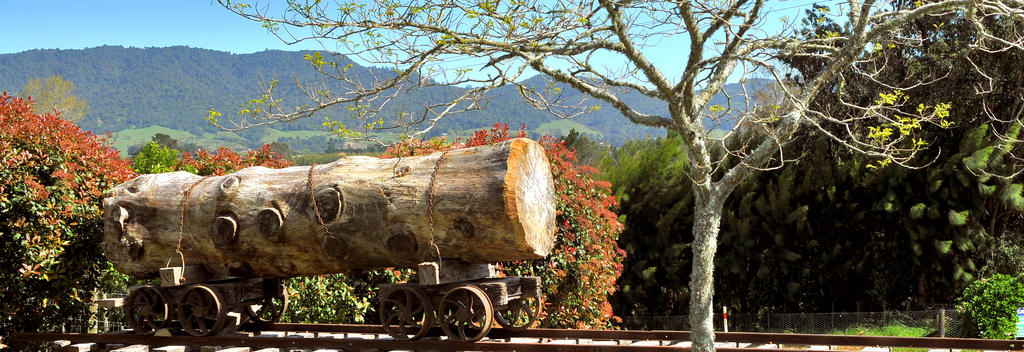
x,y
491,203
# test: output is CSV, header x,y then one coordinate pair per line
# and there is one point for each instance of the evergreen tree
x,y
657,208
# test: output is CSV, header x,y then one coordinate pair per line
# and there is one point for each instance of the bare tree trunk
x,y
706,223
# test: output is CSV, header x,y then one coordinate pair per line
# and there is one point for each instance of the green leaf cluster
x,y
154,159
992,305
338,298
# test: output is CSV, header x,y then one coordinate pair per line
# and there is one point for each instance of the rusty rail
x,y
610,340
353,344
672,335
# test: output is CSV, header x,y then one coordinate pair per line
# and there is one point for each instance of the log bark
x,y
491,203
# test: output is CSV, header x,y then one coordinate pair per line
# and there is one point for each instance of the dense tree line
x,y
797,240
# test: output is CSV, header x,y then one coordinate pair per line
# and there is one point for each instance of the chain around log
x,y
312,198
181,224
430,209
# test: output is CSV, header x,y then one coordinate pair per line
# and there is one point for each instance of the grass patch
x,y
274,135
225,139
891,330
562,127
124,139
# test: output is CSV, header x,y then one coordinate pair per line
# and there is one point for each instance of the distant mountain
x,y
134,89
171,87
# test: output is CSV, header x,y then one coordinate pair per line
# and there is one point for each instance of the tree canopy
x,y
55,94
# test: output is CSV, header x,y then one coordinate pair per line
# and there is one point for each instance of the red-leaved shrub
x,y
226,161
52,178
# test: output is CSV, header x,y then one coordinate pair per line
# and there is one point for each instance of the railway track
x,y
333,337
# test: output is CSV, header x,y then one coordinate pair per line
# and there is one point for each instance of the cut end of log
x,y
530,195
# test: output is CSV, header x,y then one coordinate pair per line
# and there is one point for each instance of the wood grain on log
x,y
491,203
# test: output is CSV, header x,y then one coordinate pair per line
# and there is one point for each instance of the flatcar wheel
x,y
201,311
406,313
269,308
146,309
521,313
466,314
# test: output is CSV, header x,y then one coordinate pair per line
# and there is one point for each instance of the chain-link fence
x,y
948,323
94,325
98,320
943,322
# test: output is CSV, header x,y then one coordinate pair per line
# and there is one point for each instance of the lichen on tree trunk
x,y
706,224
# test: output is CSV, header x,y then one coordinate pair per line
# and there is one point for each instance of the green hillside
x,y
134,93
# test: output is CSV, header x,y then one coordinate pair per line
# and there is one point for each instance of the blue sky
x,y
46,24
65,24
